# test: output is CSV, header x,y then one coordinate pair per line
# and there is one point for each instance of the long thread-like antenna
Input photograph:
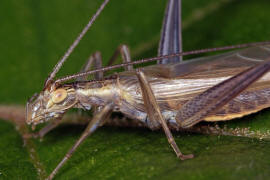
x,y
160,57
74,44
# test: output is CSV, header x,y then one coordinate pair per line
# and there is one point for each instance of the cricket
x,y
171,95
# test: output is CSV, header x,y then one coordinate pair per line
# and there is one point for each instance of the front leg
x,y
41,133
154,113
95,60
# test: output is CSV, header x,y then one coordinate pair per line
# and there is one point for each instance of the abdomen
x,y
171,94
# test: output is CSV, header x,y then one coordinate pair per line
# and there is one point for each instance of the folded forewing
x,y
175,84
231,61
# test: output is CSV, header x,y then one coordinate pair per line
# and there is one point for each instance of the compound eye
x,y
59,95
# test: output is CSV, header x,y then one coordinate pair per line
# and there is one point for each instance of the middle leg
x,y
98,120
125,54
154,113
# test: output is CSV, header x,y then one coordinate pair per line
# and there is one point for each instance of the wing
x,y
205,66
175,84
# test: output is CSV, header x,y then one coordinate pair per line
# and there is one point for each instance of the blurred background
x,y
34,35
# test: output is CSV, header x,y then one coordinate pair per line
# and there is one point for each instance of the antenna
x,y
161,57
74,44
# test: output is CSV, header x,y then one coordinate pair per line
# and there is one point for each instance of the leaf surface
x,y
35,34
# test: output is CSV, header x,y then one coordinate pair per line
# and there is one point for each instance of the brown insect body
x,y
173,85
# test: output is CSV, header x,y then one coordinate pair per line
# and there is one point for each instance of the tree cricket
x,y
170,95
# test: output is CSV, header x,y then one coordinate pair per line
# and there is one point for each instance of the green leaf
x,y
35,34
